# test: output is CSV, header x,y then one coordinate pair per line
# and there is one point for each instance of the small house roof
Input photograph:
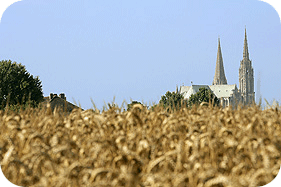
x,y
56,101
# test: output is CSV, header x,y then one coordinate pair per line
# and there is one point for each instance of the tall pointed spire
x,y
246,76
219,77
246,51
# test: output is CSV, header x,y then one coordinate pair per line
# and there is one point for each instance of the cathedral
x,y
229,95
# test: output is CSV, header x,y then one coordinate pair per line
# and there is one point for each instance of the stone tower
x,y
219,77
246,77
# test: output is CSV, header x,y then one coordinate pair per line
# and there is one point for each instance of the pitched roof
x,y
187,91
223,90
56,101
218,90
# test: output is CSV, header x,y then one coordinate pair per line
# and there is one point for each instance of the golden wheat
x,y
202,146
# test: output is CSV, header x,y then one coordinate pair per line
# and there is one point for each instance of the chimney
x,y
62,95
51,96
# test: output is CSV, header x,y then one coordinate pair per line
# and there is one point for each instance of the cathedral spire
x,y
245,52
219,77
246,76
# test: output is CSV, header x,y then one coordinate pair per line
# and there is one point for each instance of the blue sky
x,y
139,49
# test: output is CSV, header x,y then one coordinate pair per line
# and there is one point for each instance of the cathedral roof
x,y
223,90
187,91
219,90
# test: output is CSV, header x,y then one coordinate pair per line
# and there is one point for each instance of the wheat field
x,y
202,146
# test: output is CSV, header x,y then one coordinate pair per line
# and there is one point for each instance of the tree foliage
x,y
129,106
17,86
203,95
172,100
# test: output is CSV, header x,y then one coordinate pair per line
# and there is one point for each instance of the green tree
x,y
172,100
17,86
129,106
203,95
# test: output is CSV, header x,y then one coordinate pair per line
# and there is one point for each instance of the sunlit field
x,y
202,146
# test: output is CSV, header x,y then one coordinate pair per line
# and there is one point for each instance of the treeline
x,y
19,90
173,100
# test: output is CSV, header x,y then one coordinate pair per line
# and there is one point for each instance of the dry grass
x,y
197,147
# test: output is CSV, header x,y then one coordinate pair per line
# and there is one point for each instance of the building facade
x,y
229,95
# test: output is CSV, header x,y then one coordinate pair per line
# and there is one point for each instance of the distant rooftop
x,y
58,101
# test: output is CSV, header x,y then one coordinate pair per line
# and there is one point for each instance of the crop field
x,y
202,146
